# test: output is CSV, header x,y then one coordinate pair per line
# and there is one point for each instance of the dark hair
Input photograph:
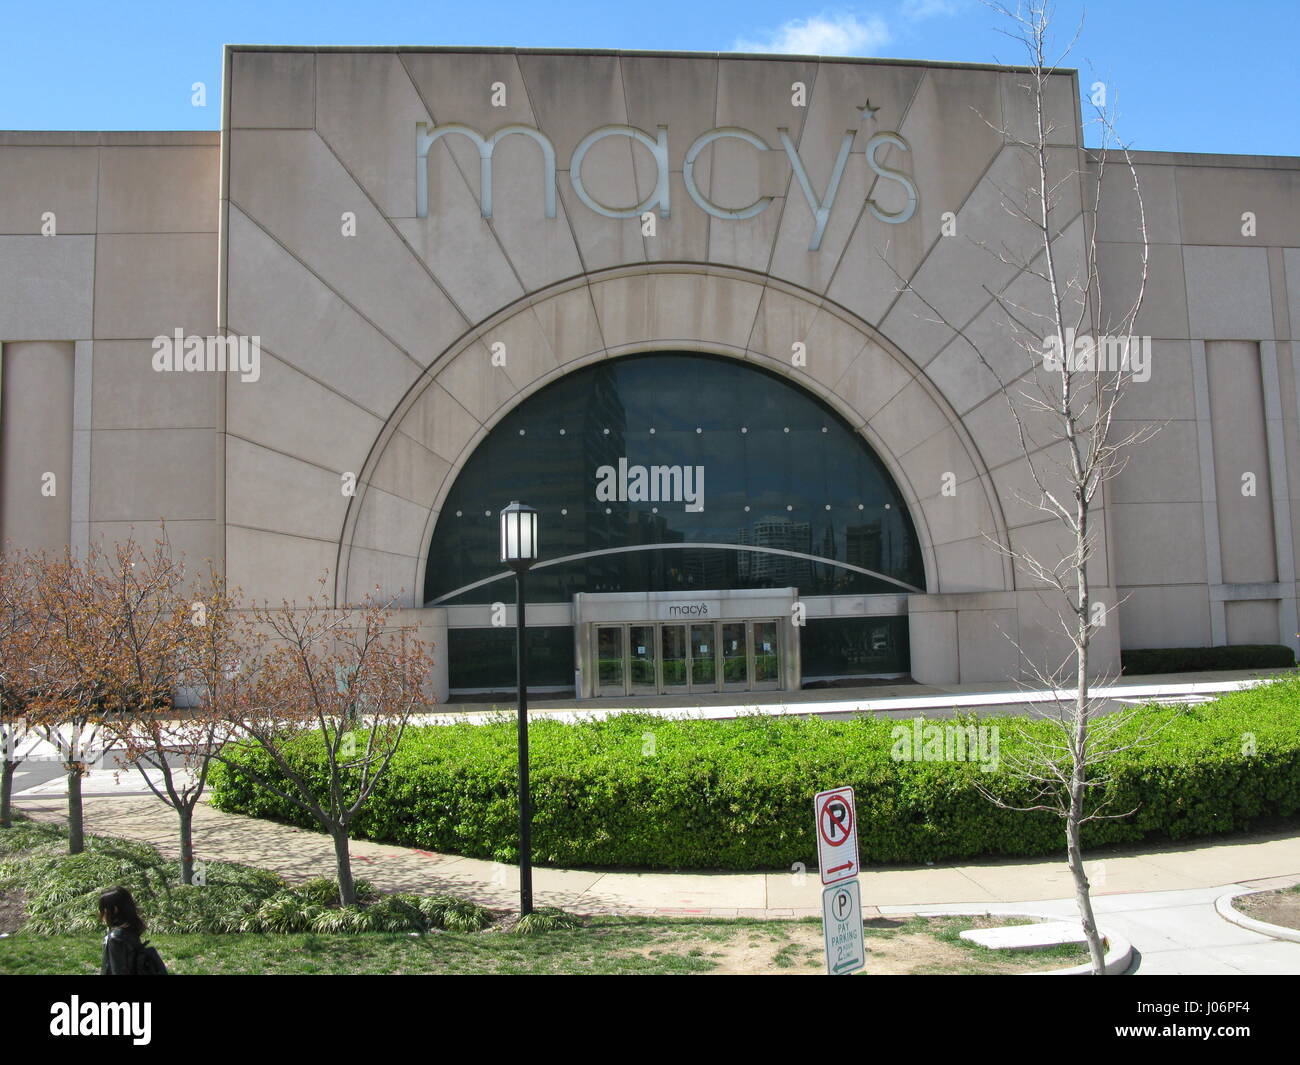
x,y
117,908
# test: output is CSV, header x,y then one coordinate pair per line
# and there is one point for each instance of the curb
x,y
1223,904
1119,951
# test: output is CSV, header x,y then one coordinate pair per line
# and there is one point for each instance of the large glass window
x,y
841,649
673,472
484,659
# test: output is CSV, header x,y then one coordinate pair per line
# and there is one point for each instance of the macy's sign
x,y
426,135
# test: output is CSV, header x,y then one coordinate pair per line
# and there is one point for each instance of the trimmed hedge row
x,y
1196,659
645,792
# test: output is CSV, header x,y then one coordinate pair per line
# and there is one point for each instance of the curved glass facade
x,y
676,471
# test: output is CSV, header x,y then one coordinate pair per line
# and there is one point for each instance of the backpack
x,y
148,962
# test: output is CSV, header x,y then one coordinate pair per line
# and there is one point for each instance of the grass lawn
x,y
248,921
603,945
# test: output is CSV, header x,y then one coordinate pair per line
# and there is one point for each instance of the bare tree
x,y
170,632
1062,395
72,643
323,685
16,739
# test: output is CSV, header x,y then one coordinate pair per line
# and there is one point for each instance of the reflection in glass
x,y
641,657
703,649
766,662
766,489
673,638
609,657
735,654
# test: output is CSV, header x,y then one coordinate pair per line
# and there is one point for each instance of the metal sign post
x,y
838,863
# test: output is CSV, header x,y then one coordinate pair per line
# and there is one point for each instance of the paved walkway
x,y
1160,897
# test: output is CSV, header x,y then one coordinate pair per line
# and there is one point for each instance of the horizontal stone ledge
x,y
1233,593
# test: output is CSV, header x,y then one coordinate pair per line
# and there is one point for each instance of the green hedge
x,y
639,791
1197,659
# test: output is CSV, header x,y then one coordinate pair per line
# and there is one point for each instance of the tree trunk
x,y
343,862
186,815
6,791
1081,894
76,832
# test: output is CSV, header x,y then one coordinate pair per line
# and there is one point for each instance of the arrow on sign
x,y
840,868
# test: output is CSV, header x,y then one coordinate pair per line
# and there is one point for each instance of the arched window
x,y
676,471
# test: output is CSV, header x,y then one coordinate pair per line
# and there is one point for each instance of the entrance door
x,y
672,642
643,674
611,672
703,657
766,671
648,658
734,647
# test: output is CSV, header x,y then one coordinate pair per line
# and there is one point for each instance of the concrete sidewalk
x,y
298,854
1160,897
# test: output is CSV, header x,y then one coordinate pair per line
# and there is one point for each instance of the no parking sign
x,y
837,835
837,861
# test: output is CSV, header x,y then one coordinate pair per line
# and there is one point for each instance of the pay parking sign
x,y
842,924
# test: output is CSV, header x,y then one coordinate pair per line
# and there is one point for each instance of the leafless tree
x,y
16,739
72,642
338,685
174,638
1073,357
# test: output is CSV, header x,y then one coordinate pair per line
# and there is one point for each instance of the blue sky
x,y
1191,75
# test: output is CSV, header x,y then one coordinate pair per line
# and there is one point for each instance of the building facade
x,y
712,315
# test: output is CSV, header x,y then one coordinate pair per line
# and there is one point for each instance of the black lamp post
x,y
519,552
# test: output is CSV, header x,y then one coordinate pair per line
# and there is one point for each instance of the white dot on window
x,y
564,510
522,432
652,432
746,508
607,432
786,429
828,506
825,430
487,513
744,429
561,432
698,429
789,506
608,511
458,513
654,510
859,506
886,506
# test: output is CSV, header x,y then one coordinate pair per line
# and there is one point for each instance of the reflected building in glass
x,y
678,473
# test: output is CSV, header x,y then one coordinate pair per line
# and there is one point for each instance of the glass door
x,y
611,673
734,646
703,657
767,655
643,676
673,656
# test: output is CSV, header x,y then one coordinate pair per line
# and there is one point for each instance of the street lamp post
x,y
519,552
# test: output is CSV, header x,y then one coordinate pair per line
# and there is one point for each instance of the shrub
x,y
736,794
1198,659
546,919
62,892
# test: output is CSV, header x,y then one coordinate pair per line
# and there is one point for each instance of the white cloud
x,y
823,34
919,9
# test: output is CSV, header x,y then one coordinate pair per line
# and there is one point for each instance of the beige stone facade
x,y
300,223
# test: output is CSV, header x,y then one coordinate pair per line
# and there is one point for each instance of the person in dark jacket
x,y
122,944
